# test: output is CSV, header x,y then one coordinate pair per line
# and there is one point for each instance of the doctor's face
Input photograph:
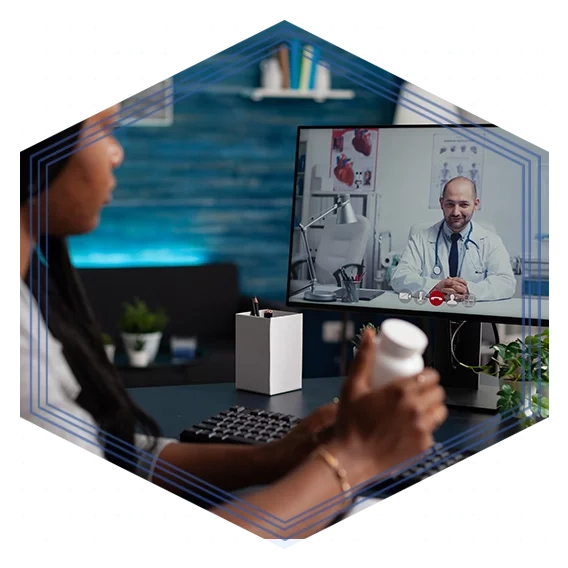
x,y
459,203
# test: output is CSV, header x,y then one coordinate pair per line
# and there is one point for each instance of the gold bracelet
x,y
334,464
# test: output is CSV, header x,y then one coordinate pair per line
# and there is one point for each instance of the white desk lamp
x,y
345,215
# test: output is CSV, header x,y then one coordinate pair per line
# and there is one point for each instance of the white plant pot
x,y
151,343
110,350
138,358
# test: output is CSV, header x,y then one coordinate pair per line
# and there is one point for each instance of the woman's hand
x,y
237,466
374,431
377,430
287,453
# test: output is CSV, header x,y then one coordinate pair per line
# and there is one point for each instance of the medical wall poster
x,y
354,159
454,156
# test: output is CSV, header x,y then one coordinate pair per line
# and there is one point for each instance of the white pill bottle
x,y
399,347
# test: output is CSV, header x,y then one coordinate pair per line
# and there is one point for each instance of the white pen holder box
x,y
269,352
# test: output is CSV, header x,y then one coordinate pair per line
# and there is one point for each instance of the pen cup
x,y
350,291
268,354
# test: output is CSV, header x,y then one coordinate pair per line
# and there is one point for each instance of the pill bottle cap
x,y
401,338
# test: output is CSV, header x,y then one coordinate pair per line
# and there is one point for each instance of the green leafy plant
x,y
137,318
357,340
107,339
520,359
139,345
517,361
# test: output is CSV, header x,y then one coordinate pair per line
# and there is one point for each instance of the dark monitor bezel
x,y
532,321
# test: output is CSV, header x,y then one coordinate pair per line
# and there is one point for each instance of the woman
x,y
362,436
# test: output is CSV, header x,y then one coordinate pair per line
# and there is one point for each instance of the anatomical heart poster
x,y
354,154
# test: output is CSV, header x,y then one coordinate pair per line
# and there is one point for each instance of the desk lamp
x,y
345,215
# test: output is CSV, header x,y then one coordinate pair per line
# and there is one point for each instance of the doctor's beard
x,y
458,222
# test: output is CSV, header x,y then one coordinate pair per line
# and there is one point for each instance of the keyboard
x,y
241,425
437,459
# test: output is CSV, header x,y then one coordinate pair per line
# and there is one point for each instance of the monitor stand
x,y
483,399
463,387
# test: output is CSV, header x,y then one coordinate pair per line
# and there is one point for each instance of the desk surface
x,y
532,307
179,407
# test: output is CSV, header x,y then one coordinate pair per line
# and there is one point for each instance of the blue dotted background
x,y
64,505
106,66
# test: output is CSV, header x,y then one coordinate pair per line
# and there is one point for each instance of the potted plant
x,y
138,322
109,346
138,357
357,340
523,372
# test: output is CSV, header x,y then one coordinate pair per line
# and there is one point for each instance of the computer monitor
x,y
444,224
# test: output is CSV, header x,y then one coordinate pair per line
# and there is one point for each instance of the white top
x,y
484,262
49,390
403,336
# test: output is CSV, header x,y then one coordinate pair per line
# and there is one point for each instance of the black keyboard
x,y
437,459
241,425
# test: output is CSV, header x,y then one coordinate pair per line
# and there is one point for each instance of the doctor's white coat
x,y
485,264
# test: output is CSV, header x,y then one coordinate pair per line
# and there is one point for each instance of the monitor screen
x,y
449,221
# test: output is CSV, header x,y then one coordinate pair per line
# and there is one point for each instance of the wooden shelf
x,y
318,96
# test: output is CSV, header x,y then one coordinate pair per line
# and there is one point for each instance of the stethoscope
x,y
437,270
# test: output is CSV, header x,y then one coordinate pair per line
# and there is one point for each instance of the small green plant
x,y
139,345
357,340
517,361
520,359
137,318
107,339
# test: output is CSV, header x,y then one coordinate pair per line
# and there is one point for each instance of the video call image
x,y
420,218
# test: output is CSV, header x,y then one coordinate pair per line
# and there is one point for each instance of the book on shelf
x,y
299,65
284,60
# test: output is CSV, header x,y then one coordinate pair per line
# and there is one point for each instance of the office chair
x,y
341,246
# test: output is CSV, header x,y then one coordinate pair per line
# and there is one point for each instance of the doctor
x,y
456,256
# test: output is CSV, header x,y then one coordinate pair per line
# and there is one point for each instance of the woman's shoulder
x,y
30,315
43,368
36,339
25,305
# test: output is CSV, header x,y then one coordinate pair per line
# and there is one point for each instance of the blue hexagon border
x,y
432,30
